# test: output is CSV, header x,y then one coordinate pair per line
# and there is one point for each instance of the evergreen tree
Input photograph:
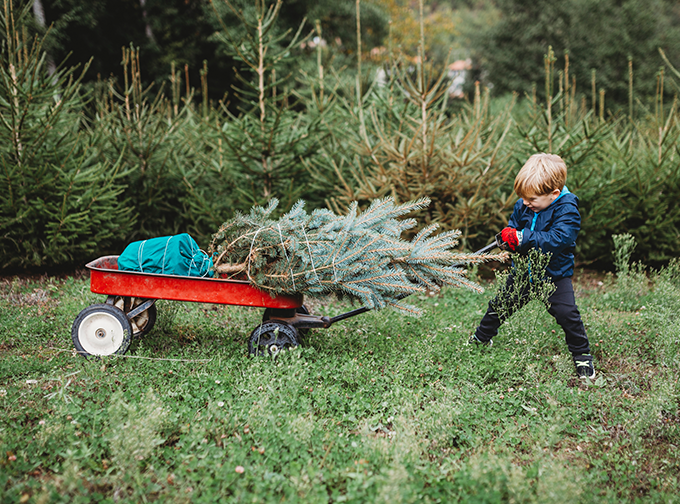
x,y
93,30
402,142
183,33
360,254
60,203
175,182
597,34
267,138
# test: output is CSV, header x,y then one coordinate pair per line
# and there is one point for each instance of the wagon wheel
x,y
142,323
267,315
101,329
269,338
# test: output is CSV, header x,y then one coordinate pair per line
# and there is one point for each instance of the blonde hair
x,y
540,175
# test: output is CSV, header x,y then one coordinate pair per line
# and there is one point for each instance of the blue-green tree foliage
x,y
360,255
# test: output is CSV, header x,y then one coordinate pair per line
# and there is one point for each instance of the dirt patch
x,y
590,279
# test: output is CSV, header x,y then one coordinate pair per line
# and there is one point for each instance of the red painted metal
x,y
106,278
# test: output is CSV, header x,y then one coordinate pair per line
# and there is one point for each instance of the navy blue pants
x,y
562,307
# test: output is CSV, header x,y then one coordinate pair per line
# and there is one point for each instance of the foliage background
x,y
184,122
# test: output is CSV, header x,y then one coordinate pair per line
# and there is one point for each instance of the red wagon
x,y
130,310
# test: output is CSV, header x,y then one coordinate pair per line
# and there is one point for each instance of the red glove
x,y
509,236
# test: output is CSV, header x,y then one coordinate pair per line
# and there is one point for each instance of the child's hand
x,y
509,237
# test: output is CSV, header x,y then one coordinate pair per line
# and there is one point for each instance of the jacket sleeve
x,y
514,218
564,228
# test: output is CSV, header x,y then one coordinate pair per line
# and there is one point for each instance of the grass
x,y
378,408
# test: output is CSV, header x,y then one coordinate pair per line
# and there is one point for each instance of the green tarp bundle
x,y
169,255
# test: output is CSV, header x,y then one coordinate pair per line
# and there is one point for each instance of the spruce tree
x,y
401,140
266,138
360,255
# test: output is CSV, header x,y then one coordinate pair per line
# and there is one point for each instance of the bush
x,y
60,203
175,181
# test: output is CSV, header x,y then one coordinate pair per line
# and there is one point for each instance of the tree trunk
x,y
148,31
39,14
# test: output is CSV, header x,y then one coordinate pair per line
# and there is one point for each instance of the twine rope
x,y
193,265
195,249
292,277
167,242
335,273
250,254
125,356
140,256
310,254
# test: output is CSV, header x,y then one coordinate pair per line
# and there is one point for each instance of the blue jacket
x,y
553,229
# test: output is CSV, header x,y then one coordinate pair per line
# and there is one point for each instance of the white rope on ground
x,y
160,359
74,351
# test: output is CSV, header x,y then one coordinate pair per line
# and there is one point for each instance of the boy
x,y
545,217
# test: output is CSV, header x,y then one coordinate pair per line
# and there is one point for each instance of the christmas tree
x,y
59,201
360,255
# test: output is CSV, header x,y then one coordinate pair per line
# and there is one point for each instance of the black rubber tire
x,y
269,338
101,329
301,332
151,314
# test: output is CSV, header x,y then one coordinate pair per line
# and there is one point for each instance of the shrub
x,y
646,154
174,180
60,203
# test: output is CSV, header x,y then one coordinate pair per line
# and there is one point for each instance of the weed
x,y
522,294
133,430
624,244
489,477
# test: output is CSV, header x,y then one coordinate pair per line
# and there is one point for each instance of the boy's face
x,y
540,203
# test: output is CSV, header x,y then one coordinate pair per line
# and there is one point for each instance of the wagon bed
x,y
106,278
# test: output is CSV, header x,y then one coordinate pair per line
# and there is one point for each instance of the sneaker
x,y
474,340
584,366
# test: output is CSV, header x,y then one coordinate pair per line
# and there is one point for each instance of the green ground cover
x,y
377,408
